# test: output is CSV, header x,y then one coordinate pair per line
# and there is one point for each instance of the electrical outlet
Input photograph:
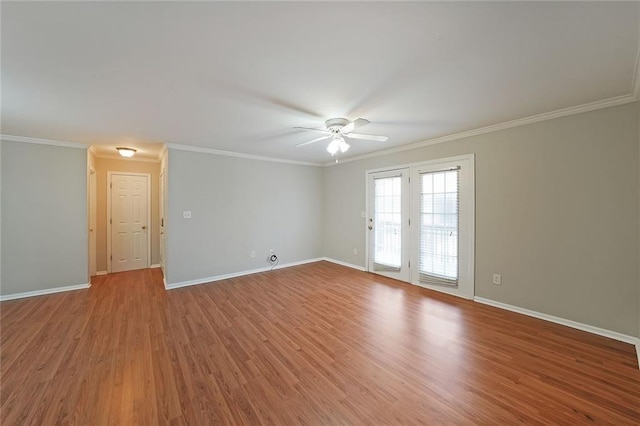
x,y
253,254
355,251
186,214
497,279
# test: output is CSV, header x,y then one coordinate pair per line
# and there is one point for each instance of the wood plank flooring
x,y
312,344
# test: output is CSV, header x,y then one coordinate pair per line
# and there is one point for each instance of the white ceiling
x,y
237,76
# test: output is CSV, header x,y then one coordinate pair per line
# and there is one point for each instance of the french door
x,y
388,223
420,224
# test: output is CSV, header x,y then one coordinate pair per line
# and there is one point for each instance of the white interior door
x,y
388,223
129,222
92,223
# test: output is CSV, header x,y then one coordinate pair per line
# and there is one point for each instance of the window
x,y
439,227
387,218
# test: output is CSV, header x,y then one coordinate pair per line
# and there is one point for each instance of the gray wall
x,y
44,217
239,205
556,214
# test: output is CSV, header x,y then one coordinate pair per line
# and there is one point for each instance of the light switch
x,y
186,214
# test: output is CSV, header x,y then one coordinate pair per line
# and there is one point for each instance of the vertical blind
x,y
387,223
439,226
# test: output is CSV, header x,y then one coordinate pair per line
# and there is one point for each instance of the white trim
x,y
236,274
162,151
557,320
11,138
638,352
456,158
348,265
155,265
109,224
43,292
99,273
239,155
120,157
579,109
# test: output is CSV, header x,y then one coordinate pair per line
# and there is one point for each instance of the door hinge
x,y
409,179
110,221
409,222
110,185
409,264
111,257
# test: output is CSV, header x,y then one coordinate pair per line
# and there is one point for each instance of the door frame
x,y
162,216
93,223
471,245
109,175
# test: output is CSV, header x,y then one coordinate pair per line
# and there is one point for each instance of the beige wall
x,y
103,166
556,214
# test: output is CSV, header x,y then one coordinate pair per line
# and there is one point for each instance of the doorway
x,y
128,221
421,224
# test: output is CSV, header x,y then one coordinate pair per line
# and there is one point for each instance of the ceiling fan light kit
x,y
338,129
336,144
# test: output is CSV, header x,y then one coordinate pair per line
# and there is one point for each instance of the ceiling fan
x,y
339,128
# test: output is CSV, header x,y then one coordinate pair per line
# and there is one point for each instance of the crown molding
x,y
579,109
24,139
239,155
134,158
162,152
92,150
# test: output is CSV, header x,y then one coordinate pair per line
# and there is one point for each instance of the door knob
x,y
144,227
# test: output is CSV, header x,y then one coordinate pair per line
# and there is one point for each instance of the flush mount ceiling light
x,y
126,152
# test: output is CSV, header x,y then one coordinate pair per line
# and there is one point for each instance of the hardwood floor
x,y
313,344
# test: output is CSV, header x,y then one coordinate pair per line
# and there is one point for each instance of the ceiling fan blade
x,y
313,141
353,125
367,137
311,128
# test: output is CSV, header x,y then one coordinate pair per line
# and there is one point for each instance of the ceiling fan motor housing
x,y
335,124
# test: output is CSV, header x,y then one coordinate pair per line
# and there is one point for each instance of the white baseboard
x,y
101,273
43,292
348,265
573,324
155,265
237,274
638,352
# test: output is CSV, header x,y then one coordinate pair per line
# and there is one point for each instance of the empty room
x,y
319,213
